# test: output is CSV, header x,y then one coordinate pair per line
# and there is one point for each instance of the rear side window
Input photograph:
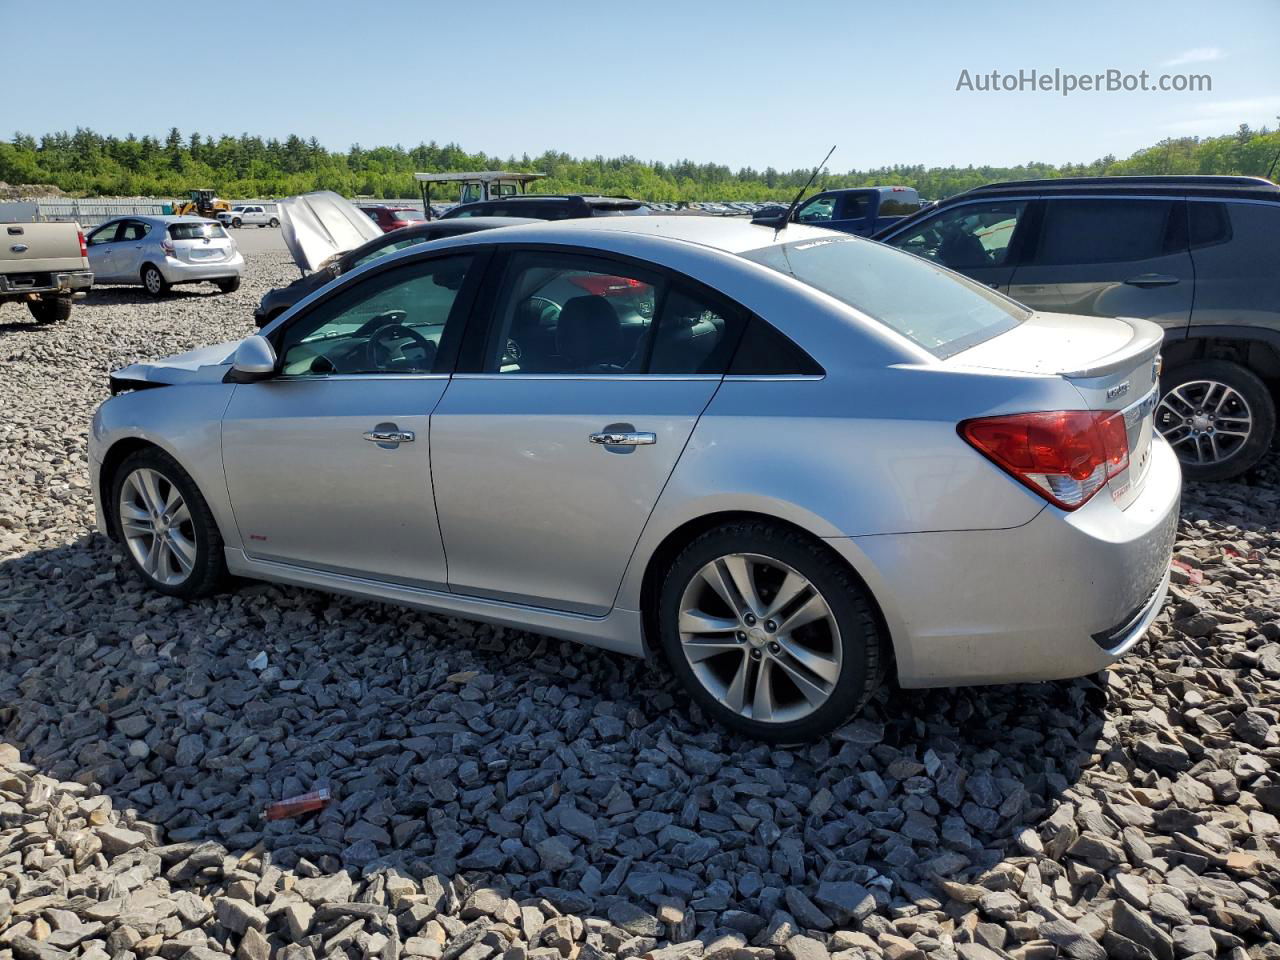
x,y
1208,223
938,310
196,231
695,334
1104,231
765,351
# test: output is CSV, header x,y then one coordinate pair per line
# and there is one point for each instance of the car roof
x,y
1248,187
730,234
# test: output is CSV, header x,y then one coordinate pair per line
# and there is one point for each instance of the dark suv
x,y
1199,255
543,206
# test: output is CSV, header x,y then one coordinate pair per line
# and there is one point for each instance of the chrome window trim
x,y
1258,203
772,377
301,378
592,377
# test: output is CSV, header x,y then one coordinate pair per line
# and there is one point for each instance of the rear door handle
x,y
1152,280
627,438
383,435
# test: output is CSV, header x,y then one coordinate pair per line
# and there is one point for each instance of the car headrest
x,y
589,332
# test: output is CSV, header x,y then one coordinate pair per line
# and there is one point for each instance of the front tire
x,y
50,310
230,285
166,527
1218,416
769,632
274,222
153,280
235,222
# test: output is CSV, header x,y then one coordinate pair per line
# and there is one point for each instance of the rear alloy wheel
x,y
1217,416
769,632
166,526
274,222
50,309
154,281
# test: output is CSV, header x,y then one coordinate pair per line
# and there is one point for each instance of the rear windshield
x,y
940,311
408,213
196,231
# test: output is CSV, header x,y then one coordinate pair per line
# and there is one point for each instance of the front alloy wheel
x,y
157,526
770,632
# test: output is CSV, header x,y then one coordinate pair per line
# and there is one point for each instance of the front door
x,y
328,464
1110,257
101,244
550,453
977,239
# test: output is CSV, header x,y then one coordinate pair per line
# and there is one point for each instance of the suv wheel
x,y
235,222
166,526
274,222
1218,416
769,632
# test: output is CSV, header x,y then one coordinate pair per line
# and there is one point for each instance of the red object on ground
x,y
296,806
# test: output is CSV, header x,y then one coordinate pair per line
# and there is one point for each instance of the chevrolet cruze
x,y
790,461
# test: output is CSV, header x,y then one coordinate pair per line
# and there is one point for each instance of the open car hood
x,y
205,365
319,226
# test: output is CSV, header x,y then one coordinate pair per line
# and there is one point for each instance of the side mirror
x,y
255,359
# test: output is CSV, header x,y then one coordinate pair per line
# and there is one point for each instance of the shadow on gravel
x,y
454,747
128,295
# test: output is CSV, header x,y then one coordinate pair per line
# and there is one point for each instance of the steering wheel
x,y
379,353
371,325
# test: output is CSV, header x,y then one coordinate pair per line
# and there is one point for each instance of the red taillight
x,y
603,285
1065,456
84,247
167,247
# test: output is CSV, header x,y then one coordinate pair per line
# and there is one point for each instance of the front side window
x,y
388,323
817,210
385,249
1081,231
967,236
937,310
575,314
104,234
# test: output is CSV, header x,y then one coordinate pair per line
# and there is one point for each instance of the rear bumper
x,y
179,271
1061,596
57,283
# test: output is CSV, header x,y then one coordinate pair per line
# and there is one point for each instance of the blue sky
x,y
743,82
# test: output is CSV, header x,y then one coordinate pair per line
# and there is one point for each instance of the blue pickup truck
x,y
860,210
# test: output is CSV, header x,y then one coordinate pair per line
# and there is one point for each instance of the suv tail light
x,y
1065,456
84,247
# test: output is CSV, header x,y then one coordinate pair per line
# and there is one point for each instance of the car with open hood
x,y
318,229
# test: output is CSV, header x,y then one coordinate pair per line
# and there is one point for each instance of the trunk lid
x,y
200,241
1111,361
322,225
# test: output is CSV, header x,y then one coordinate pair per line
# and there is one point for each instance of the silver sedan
x,y
791,462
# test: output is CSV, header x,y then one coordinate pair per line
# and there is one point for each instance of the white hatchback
x,y
158,252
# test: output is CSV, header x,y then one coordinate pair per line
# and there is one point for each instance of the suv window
x,y
391,322
940,311
1092,230
569,313
1208,223
966,236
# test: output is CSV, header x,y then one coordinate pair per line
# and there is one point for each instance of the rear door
x,y
1110,257
1235,246
129,248
570,408
980,239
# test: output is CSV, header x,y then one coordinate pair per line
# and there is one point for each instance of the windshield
x,y
940,311
196,231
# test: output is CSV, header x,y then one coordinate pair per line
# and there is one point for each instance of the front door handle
x,y
1152,280
623,438
388,435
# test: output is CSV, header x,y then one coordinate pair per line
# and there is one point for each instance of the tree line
x,y
86,163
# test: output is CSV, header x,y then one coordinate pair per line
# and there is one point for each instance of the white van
x,y
251,214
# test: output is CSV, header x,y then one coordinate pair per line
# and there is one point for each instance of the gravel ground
x,y
499,794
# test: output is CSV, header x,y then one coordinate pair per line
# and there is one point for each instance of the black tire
x,y
50,309
229,285
235,222
1252,392
209,571
864,648
153,281
274,222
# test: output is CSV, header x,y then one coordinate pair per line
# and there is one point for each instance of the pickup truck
x,y
45,266
860,210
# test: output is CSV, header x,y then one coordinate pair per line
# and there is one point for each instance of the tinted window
x,y
696,334
388,323
196,231
901,204
856,206
966,236
1080,231
1208,223
569,313
940,311
765,351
